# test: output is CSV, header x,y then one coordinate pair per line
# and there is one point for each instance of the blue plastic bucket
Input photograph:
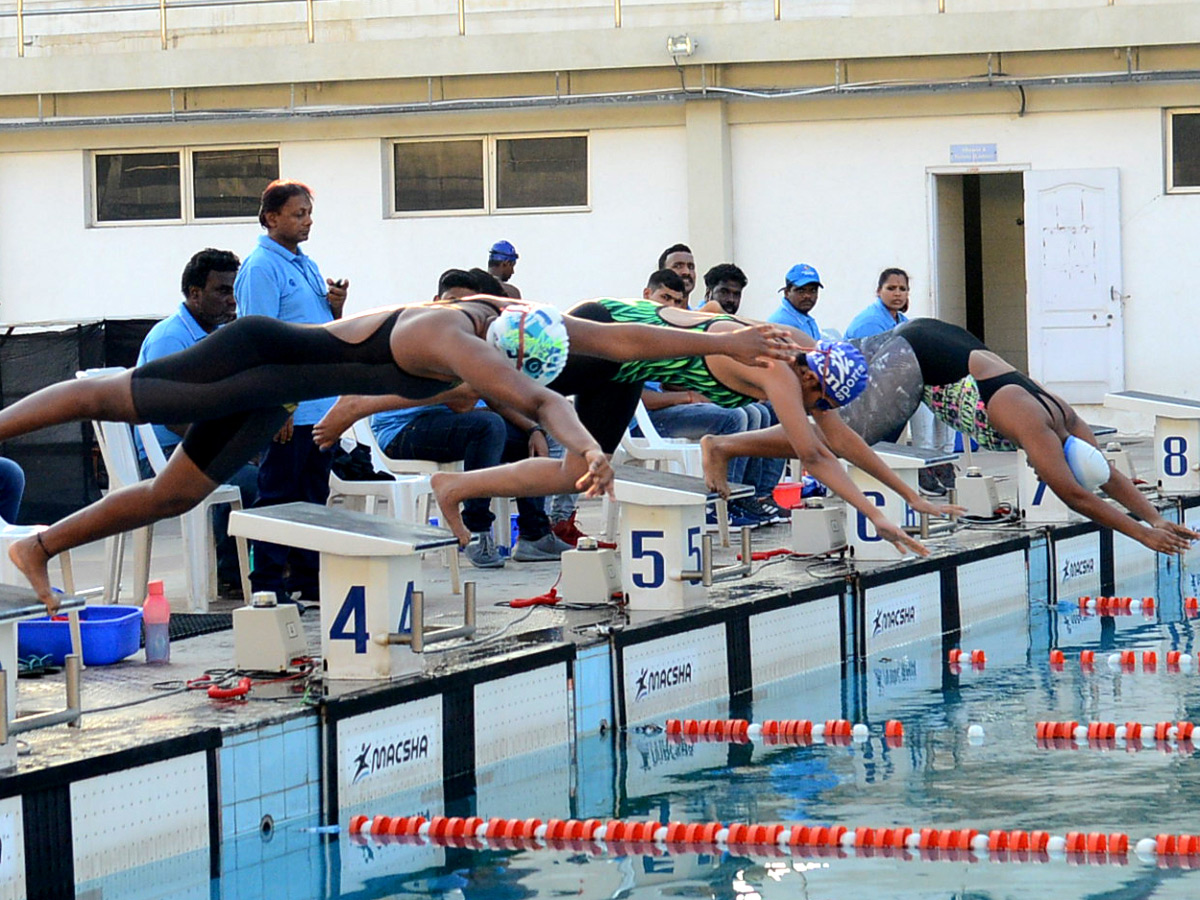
x,y
109,634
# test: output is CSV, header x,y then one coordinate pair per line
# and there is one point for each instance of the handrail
x,y
21,13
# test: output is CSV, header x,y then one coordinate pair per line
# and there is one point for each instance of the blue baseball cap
x,y
503,250
801,274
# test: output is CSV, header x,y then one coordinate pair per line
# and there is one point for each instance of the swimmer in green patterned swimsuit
x,y
815,382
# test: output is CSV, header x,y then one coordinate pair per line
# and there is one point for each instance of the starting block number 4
x,y
353,613
646,549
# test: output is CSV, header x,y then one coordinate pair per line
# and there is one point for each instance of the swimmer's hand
x,y
598,479
755,345
1168,538
938,509
899,538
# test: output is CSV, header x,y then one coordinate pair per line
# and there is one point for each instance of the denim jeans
x,y
481,439
562,506
763,473
12,489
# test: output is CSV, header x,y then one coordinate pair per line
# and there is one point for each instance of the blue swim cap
x,y
1088,464
534,337
841,368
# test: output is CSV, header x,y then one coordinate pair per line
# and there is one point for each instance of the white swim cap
x,y
534,337
1088,464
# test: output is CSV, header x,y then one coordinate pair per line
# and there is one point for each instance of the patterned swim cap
x,y
534,337
841,368
1088,465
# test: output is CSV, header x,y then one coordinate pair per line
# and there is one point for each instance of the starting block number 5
x,y
353,613
647,547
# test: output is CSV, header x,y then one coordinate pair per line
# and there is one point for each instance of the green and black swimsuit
x,y
607,392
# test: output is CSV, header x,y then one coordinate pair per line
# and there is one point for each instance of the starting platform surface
x,y
339,531
1155,404
17,603
648,487
904,457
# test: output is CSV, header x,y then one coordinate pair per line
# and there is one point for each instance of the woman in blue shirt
x,y
887,311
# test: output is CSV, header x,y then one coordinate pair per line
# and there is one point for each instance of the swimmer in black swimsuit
x,y
1012,408
236,385
606,395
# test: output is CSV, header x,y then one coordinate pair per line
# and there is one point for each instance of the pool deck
x,y
559,672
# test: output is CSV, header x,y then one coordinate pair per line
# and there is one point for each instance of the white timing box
x,y
818,529
977,492
589,575
267,638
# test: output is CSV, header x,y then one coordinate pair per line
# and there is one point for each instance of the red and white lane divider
x,y
1102,735
778,731
976,658
704,836
1126,660
1120,605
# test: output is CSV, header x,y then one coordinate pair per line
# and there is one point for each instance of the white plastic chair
x,y
199,553
653,451
9,574
408,498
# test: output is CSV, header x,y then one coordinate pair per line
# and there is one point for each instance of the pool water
x,y
938,778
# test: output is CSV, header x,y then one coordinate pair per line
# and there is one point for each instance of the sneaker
x,y
737,521
482,552
547,548
929,484
567,531
946,474
748,510
779,515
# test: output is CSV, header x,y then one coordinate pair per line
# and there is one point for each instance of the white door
x,y
1073,273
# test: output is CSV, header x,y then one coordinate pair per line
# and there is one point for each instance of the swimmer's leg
x,y
527,478
717,450
178,488
107,398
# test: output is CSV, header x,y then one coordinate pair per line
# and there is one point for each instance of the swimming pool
x,y
938,778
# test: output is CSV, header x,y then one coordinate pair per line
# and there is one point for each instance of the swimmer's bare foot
x,y
448,502
716,465
32,558
344,413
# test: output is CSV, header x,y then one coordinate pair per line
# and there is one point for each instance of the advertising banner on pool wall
x,y
673,672
1077,566
389,750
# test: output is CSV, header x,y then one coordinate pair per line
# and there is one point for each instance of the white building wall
x,y
850,197
54,267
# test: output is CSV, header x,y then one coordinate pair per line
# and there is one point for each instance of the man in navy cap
x,y
802,284
502,260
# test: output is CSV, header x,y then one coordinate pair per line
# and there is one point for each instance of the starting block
x,y
17,604
667,557
371,597
906,462
1176,437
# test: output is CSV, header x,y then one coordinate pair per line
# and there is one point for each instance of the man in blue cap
x,y
502,260
802,284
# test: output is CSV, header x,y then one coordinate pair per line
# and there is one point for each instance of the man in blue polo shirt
x,y
279,280
208,304
800,289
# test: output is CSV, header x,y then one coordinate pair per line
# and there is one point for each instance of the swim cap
x,y
534,337
841,368
1088,464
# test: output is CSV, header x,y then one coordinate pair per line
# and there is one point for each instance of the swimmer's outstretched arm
x,y
782,388
847,444
1024,423
493,377
621,341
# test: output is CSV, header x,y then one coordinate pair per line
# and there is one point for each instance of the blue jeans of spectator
x,y
562,506
481,439
12,489
296,470
694,420
246,481
761,472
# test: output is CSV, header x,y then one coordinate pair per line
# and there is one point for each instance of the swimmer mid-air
x,y
236,385
979,394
